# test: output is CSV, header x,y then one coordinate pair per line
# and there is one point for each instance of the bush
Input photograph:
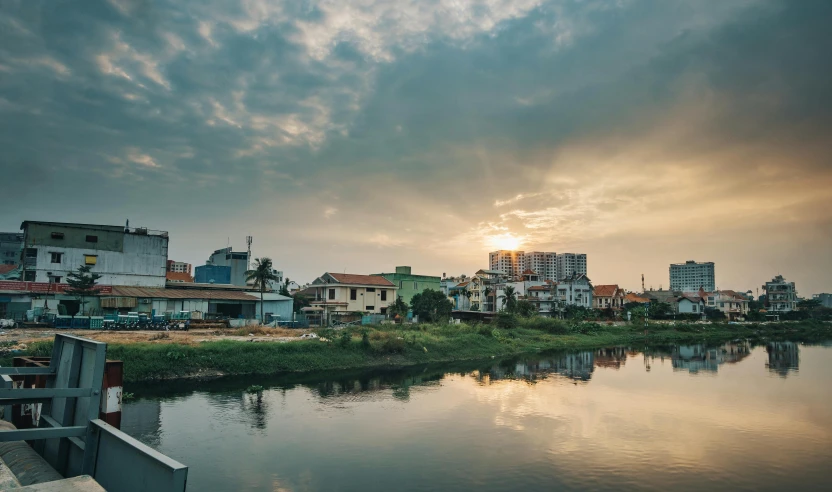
x,y
549,325
505,321
345,338
365,338
393,345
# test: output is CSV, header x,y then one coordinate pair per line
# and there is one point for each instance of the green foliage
x,y
399,307
261,277
127,396
299,301
505,321
579,313
712,314
525,309
808,304
548,325
254,388
432,306
82,284
509,300
365,338
660,310
284,288
345,338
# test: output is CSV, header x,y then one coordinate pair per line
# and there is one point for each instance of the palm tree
x,y
261,278
509,298
487,302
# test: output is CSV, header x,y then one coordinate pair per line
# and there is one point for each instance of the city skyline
x,y
356,139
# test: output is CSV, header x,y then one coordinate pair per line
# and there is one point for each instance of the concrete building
x,y
179,267
11,246
781,296
213,274
575,291
824,299
608,296
121,255
732,304
691,276
407,284
237,263
510,262
570,265
543,263
341,293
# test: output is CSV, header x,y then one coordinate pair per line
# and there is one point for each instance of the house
x,y
461,296
608,296
134,256
407,284
733,305
544,298
343,293
781,296
690,304
575,290
633,298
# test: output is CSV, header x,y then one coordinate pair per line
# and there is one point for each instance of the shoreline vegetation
x,y
397,346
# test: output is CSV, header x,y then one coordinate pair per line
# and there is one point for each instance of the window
x,y
371,308
90,259
332,294
722,304
353,294
31,252
57,235
415,285
694,308
56,257
370,289
56,280
92,239
383,295
29,276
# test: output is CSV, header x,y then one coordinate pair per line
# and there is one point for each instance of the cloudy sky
x,y
360,135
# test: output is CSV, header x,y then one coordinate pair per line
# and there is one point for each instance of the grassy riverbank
x,y
392,346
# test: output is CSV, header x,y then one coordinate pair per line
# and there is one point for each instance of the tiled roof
x,y
631,297
605,290
349,278
691,298
178,277
7,268
529,271
540,287
154,292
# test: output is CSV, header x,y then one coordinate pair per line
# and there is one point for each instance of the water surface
x,y
694,417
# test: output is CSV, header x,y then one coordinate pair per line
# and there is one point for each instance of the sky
x,y
360,135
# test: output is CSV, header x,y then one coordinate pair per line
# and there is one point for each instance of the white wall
x,y
142,263
363,298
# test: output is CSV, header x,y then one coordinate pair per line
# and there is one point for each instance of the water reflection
x,y
617,418
783,357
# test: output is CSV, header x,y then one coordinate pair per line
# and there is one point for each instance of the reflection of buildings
x,y
143,420
695,358
578,365
612,358
783,357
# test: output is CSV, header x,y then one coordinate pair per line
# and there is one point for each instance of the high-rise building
x,y
570,264
542,263
510,262
691,276
11,244
179,267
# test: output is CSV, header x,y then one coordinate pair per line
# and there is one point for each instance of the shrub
x,y
393,345
345,338
505,321
365,338
549,325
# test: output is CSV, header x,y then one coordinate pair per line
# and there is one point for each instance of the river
x,y
729,417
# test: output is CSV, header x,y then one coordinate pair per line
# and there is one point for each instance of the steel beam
x,y
41,393
51,433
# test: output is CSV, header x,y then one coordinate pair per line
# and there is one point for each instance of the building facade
x,y
121,255
690,304
543,263
179,267
510,262
691,276
781,296
408,285
236,261
348,293
575,291
825,300
733,305
11,246
570,265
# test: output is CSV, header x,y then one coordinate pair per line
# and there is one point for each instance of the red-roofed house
x,y
349,293
608,296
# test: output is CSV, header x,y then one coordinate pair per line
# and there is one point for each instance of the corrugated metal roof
x,y
152,292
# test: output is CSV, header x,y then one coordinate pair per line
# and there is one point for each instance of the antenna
x,y
642,283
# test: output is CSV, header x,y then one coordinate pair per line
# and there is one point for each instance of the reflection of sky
x,y
745,427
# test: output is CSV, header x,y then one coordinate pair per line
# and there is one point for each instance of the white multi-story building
x,y
543,263
691,276
179,267
511,262
348,293
781,296
121,255
570,264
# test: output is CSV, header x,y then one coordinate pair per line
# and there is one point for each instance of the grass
x,y
399,346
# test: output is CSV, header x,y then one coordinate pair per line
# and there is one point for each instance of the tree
x,y
299,301
487,306
82,284
261,278
525,308
808,304
284,288
399,308
509,299
431,305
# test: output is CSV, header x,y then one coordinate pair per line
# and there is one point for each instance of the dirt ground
x,y
25,336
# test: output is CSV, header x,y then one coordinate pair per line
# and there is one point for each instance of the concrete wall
x,y
142,262
363,298
408,286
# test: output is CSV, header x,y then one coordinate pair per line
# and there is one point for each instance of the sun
x,y
505,241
